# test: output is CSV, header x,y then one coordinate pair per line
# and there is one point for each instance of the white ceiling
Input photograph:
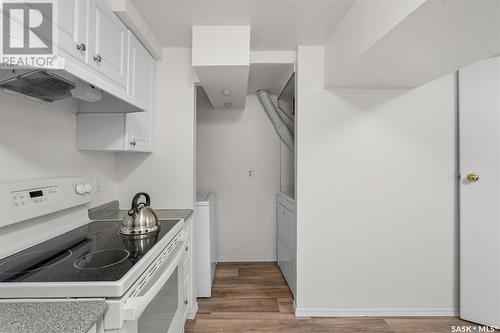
x,y
275,24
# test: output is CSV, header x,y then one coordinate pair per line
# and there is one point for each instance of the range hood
x,y
43,85
51,85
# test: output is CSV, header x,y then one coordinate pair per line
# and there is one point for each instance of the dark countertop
x,y
163,214
50,317
111,211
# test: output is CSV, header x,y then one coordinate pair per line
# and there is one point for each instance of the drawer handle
x,y
97,58
133,143
81,47
186,302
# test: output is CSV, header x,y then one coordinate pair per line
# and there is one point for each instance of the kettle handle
x,y
135,200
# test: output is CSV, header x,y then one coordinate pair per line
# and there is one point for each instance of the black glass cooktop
x,y
94,252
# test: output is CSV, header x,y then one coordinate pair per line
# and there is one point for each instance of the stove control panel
x,y
34,196
20,201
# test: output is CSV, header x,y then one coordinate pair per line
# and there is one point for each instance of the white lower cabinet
x,y
287,239
190,274
287,266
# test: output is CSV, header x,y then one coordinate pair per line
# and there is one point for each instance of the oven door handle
x,y
135,306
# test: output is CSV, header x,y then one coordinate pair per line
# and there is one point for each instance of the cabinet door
x,y
100,131
286,227
108,37
139,131
140,72
287,265
72,21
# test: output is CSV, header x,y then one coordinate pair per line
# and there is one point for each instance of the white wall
x,y
168,173
376,198
39,141
229,143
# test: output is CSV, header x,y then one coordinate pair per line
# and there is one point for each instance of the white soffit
x,y
407,44
221,60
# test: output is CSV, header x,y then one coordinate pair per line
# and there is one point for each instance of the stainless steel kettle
x,y
141,218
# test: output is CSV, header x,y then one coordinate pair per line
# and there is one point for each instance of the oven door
x,y
158,305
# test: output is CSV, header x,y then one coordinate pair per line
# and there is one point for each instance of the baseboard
x,y
380,312
192,312
247,259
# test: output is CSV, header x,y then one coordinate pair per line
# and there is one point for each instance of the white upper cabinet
x,y
127,131
73,28
140,72
108,38
139,126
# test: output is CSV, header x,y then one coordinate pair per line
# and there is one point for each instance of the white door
x,y
479,110
72,21
139,125
109,43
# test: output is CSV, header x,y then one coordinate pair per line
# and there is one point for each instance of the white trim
x,y
192,312
273,57
377,312
50,300
246,259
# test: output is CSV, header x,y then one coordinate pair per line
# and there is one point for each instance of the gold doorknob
x,y
472,177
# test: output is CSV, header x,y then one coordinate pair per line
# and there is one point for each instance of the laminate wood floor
x,y
253,297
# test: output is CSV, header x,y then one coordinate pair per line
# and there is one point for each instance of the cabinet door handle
x,y
186,302
133,143
187,248
97,58
81,47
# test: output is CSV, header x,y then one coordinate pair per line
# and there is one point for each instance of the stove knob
x,y
88,187
80,188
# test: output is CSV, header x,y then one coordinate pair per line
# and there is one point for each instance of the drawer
x,y
286,228
287,265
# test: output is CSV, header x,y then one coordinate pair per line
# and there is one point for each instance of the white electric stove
x,y
50,249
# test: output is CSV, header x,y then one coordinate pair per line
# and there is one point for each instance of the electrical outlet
x,y
251,173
